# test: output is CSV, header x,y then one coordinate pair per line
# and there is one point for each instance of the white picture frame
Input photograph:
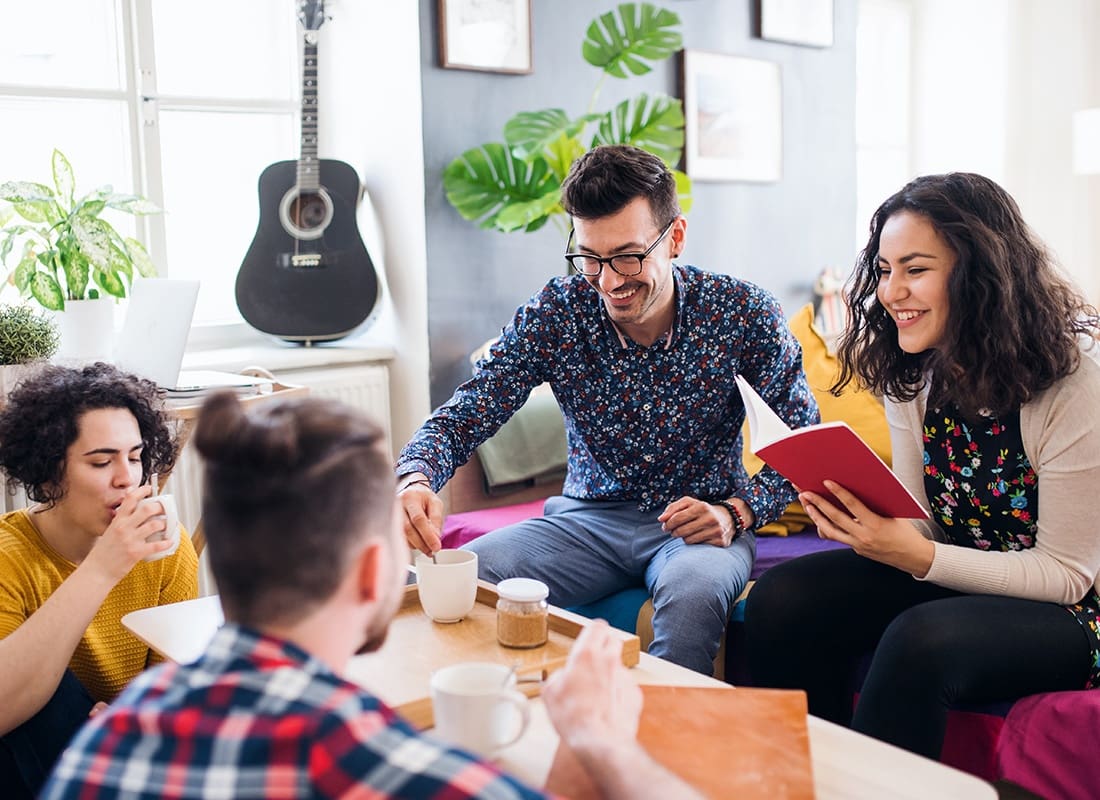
x,y
486,35
734,118
804,22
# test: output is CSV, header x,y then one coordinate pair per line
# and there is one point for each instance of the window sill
x,y
254,350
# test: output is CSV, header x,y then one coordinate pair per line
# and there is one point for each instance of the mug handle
x,y
520,702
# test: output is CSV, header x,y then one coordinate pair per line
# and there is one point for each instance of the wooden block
x,y
751,744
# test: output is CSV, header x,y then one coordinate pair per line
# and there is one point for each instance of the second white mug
x,y
476,706
447,586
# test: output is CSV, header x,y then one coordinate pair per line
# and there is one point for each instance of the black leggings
x,y
809,623
28,753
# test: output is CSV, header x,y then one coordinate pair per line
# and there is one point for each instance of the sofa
x,y
1042,743
630,609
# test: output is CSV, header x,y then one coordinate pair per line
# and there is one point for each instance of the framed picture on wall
x,y
808,22
734,117
485,35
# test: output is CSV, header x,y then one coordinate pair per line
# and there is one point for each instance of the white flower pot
x,y
87,331
11,374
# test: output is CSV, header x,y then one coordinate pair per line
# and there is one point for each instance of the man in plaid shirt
x,y
308,554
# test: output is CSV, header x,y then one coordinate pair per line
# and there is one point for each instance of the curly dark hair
x,y
1013,322
607,178
43,413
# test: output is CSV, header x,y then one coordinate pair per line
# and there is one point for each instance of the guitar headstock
x,y
311,13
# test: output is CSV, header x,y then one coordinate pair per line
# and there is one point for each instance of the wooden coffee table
x,y
846,765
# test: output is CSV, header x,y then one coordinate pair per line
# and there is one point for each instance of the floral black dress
x,y
984,493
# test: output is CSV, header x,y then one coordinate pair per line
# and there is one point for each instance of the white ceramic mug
x,y
171,519
476,706
447,587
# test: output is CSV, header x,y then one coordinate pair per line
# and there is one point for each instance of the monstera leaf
x,y
654,123
517,185
683,190
622,44
484,181
529,133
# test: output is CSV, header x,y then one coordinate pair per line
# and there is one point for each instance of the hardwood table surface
x,y
846,765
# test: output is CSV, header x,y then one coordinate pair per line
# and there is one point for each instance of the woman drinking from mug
x,y
988,362
83,443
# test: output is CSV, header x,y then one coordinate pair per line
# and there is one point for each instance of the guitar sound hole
x,y
308,211
305,214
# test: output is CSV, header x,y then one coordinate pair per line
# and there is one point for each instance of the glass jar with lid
x,y
522,615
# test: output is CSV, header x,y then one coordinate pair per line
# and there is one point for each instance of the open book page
x,y
809,456
765,426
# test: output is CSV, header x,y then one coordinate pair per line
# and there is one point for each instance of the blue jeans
x,y
587,549
28,753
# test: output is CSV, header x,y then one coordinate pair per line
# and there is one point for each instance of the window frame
x,y
144,104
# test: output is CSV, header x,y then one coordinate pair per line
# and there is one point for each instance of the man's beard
x,y
379,626
373,642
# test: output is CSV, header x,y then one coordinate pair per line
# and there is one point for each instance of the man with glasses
x,y
641,354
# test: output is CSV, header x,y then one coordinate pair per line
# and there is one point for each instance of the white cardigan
x,y
1061,435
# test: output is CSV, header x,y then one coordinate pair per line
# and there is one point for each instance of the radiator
x,y
363,386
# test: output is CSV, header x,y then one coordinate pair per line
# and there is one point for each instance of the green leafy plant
x,y
517,185
65,249
25,335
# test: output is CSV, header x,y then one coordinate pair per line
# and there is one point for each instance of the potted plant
x,y
66,254
517,185
26,338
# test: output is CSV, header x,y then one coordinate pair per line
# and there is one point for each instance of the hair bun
x,y
225,435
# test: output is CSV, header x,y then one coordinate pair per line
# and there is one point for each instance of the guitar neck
x,y
309,173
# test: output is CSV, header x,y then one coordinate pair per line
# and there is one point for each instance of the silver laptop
x,y
154,333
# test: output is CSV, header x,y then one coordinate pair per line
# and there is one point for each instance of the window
x,y
183,103
883,97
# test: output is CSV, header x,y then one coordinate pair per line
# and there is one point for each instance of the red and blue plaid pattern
x,y
256,717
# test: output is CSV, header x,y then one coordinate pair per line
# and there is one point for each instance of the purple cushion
x,y
1048,744
458,529
772,550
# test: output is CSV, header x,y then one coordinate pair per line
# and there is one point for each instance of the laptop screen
x,y
154,333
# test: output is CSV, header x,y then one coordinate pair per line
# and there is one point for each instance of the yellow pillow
x,y
859,408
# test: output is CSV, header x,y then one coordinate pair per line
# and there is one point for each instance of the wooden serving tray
x,y
415,647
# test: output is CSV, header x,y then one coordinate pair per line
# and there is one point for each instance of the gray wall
x,y
778,235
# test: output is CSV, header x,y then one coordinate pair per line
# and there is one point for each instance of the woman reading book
x,y
988,362
83,443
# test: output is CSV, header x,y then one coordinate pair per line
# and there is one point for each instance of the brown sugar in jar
x,y
522,616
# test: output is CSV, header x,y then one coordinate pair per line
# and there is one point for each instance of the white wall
x,y
960,86
371,118
995,85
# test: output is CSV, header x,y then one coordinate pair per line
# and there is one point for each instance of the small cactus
x,y
25,335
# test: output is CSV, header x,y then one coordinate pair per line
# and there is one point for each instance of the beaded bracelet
x,y
735,515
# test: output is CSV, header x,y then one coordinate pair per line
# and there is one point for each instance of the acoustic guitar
x,y
307,276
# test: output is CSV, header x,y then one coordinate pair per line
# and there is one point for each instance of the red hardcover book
x,y
809,456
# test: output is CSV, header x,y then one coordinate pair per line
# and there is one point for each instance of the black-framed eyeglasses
x,y
626,264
